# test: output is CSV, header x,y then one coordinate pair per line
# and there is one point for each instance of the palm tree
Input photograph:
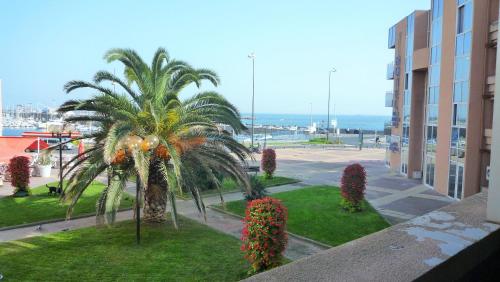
x,y
147,130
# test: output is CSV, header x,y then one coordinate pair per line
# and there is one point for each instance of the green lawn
x,y
195,252
315,213
40,206
228,185
321,140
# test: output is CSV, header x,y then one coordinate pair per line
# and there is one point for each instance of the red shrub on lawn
x,y
268,162
264,237
20,172
353,187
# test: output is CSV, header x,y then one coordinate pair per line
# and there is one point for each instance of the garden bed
x,y
315,212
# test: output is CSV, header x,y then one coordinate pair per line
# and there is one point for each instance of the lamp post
x,y
329,86
57,131
252,56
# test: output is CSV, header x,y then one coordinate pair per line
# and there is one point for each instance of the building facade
x,y
442,101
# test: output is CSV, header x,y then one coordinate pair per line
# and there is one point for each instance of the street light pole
x,y
252,56
329,90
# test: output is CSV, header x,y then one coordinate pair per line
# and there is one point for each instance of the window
x,y
461,20
406,81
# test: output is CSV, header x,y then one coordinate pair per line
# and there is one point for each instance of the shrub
x,y
268,162
258,191
20,175
264,237
353,187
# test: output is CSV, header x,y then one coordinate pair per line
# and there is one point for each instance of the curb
x,y
54,220
308,240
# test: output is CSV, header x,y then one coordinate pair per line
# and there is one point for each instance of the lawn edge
x,y
53,220
299,237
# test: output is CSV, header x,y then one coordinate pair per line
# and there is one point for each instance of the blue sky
x,y
44,44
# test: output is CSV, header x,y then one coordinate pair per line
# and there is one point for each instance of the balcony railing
x,y
490,85
493,34
389,99
390,71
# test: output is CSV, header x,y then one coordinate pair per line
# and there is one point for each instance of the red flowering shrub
x,y
353,187
264,237
20,173
268,162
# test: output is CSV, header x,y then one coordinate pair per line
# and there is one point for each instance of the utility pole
x,y
329,90
252,56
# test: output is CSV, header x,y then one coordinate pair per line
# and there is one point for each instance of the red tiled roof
x,y
11,146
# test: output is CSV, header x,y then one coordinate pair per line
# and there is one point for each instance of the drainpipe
x,y
493,207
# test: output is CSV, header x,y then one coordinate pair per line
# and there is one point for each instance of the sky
x,y
44,44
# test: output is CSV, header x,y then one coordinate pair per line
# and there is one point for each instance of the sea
x,y
349,122
364,122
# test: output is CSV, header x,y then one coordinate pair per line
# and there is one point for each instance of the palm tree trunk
x,y
155,200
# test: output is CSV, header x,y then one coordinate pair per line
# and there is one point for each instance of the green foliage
x,y
263,235
315,212
44,158
322,140
147,103
268,162
353,185
20,175
258,190
193,253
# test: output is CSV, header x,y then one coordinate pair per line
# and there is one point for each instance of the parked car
x,y
55,141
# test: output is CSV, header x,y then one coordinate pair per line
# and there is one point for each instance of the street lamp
x,y
57,131
252,56
329,87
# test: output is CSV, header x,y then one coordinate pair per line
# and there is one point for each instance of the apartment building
x,y
442,100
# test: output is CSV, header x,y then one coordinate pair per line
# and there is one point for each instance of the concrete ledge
x,y
441,245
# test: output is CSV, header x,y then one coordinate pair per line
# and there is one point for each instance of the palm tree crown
x,y
145,129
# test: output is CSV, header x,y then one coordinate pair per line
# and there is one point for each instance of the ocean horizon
x,y
364,122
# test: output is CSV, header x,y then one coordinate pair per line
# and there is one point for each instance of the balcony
x,y
490,85
389,98
487,138
390,71
421,59
493,34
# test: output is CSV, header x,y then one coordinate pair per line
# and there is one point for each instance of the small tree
x,y
268,162
258,190
353,187
20,175
264,237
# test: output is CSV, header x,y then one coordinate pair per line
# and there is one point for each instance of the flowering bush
x,y
353,187
20,174
264,237
268,162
